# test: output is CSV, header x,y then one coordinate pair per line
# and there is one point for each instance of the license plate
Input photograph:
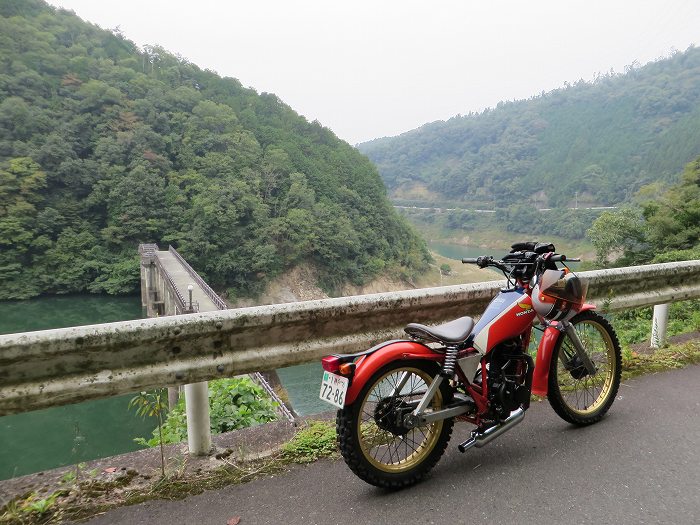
x,y
333,389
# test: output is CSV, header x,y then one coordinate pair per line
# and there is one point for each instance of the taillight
x,y
335,365
331,364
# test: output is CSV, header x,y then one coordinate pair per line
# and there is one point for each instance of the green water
x,y
55,437
457,251
303,384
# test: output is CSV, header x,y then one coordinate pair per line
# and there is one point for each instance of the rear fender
x,y
540,379
368,365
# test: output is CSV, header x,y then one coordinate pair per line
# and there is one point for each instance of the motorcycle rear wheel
x,y
574,394
372,440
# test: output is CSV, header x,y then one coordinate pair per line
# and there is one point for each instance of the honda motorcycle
x,y
398,401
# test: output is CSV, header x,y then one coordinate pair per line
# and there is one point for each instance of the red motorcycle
x,y
398,401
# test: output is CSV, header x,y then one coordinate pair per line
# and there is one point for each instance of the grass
x,y
459,273
318,440
670,358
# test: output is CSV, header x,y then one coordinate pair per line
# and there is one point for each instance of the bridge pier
x,y
163,283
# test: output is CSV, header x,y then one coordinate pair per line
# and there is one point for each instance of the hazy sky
x,y
372,68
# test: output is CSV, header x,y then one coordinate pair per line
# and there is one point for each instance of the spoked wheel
x,y
578,396
373,437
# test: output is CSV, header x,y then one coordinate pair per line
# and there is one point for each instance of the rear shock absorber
x,y
448,367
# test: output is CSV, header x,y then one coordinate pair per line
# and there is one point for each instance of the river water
x,y
70,434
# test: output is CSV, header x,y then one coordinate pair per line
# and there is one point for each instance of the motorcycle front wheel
x,y
372,437
576,395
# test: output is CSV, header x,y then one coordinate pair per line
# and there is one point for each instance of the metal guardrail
x,y
218,301
54,367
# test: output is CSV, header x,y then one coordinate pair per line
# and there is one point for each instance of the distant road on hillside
x,y
494,211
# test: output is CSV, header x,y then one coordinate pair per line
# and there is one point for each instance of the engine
x,y
509,378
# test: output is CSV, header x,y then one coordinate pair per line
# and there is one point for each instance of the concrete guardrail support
x,y
658,325
198,426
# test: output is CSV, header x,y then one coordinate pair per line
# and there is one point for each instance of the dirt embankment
x,y
300,284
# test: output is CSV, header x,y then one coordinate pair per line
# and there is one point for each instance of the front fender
x,y
540,379
368,365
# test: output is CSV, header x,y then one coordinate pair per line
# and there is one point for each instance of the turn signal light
x,y
347,369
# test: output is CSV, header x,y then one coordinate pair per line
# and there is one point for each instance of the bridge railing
x,y
218,301
55,367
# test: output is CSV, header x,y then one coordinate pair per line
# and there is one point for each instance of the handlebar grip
x,y
469,260
562,258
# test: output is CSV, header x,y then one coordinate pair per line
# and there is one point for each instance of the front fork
x,y
578,346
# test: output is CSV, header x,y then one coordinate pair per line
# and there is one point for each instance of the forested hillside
x,y
659,227
594,143
104,145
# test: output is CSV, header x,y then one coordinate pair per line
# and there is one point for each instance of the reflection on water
x,y
60,436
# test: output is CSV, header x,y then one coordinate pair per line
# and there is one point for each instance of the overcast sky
x,y
373,68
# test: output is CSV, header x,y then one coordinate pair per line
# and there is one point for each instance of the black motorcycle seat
x,y
451,332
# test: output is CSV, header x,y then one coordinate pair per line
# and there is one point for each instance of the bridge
x,y
55,367
170,286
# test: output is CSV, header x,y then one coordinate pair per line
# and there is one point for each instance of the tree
x,y
616,233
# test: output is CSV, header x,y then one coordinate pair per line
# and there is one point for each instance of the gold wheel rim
x,y
586,395
392,452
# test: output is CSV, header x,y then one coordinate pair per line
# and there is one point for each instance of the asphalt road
x,y
641,464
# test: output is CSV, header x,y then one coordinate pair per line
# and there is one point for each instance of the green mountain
x,y
104,145
591,143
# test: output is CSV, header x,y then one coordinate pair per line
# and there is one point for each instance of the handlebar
x,y
482,261
562,258
488,260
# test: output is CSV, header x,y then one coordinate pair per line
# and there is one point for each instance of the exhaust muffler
x,y
483,438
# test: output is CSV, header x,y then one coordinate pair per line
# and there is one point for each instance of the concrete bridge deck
x,y
182,278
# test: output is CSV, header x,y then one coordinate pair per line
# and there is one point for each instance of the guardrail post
x,y
198,429
658,325
173,396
